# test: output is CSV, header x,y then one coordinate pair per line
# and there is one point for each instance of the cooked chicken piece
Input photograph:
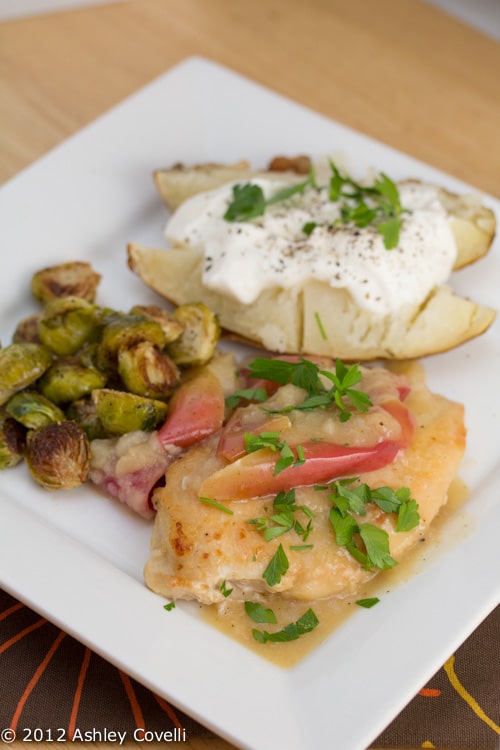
x,y
197,549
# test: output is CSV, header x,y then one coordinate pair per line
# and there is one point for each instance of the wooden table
x,y
397,70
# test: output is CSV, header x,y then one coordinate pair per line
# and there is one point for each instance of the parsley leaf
x,y
272,440
306,375
283,518
369,602
344,526
408,516
277,567
290,632
215,504
320,326
349,503
362,205
376,542
378,204
249,201
246,394
225,591
258,613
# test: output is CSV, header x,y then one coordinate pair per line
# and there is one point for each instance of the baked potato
x,y
315,318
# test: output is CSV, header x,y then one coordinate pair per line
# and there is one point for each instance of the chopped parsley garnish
x,y
225,591
283,518
290,632
366,542
249,201
320,326
214,504
277,567
361,205
259,613
273,441
169,606
306,375
246,394
378,205
368,603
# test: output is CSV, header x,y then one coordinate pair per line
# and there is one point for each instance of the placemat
x,y
54,688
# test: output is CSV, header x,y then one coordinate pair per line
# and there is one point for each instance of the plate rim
x,y
19,583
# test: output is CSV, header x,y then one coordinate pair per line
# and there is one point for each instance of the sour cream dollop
x,y
242,259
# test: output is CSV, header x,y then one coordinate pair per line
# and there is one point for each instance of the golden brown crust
x,y
217,547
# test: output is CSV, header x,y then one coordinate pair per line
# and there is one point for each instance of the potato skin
x,y
286,320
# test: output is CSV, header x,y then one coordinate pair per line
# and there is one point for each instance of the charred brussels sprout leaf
x,y
68,381
121,412
27,330
122,331
58,455
20,365
197,343
75,279
84,412
147,371
12,441
33,410
172,328
67,324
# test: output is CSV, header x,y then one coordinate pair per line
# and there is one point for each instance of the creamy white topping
x,y
244,258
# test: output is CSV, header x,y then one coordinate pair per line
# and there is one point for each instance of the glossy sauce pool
x,y
451,525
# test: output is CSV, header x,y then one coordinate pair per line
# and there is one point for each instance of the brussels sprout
x,y
123,331
12,441
67,381
67,324
27,330
20,365
197,343
58,455
76,279
33,410
122,412
147,371
84,412
172,328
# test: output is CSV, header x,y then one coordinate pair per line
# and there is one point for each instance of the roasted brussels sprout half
x,y
20,365
196,345
33,410
67,381
122,331
58,455
84,412
76,279
12,441
172,328
67,324
121,412
147,371
27,330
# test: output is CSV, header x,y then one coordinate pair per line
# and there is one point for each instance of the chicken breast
x,y
200,550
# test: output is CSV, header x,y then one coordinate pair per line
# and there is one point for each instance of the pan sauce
x,y
231,618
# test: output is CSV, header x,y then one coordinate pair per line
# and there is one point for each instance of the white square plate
x,y
77,558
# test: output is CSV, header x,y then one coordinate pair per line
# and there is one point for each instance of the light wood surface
x,y
398,70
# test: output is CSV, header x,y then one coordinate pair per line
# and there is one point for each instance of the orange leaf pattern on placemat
x,y
50,680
